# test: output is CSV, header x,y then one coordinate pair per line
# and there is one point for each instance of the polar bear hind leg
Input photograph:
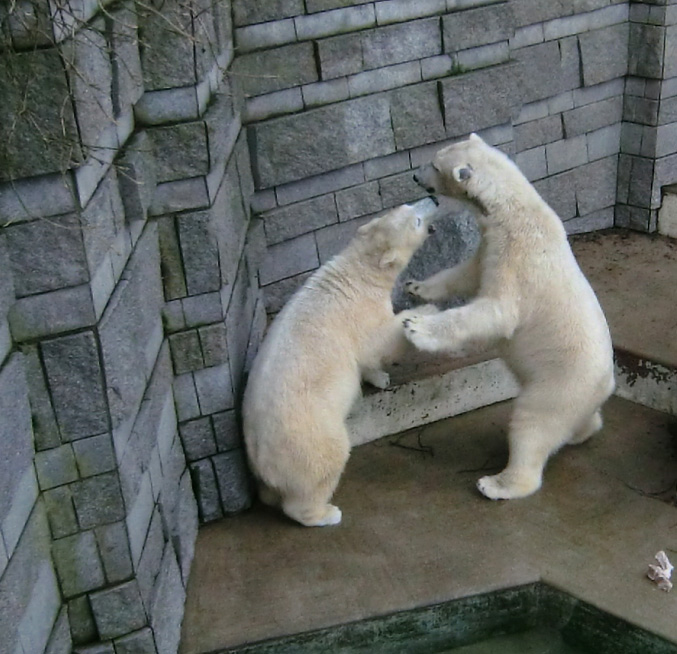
x,y
533,436
592,425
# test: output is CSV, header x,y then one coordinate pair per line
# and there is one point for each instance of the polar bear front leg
x,y
455,330
376,377
461,280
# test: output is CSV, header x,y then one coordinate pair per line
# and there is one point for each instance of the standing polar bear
x,y
337,328
530,299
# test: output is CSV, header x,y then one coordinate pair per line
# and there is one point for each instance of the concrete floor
x,y
416,531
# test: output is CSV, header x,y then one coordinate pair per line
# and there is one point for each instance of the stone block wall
x,y
344,98
129,311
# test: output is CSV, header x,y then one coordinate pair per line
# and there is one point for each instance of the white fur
x,y
531,300
338,328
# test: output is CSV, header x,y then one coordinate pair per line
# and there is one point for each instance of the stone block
x,y
15,430
297,219
98,648
52,313
604,142
358,201
213,343
278,103
186,351
295,147
483,56
232,477
321,93
60,641
98,500
246,12
61,512
227,431
137,177
200,252
388,165
476,27
94,455
338,21
205,39
23,503
41,611
340,55
172,263
313,6
265,35
185,396
202,309
320,184
604,54
466,105
83,628
206,490
532,163
647,43
167,611
566,154
46,254
78,563
269,70
333,239
89,70
118,610
197,437
128,326
669,67
43,136
115,554
121,24
184,531
596,185
547,70
289,258
399,43
214,389
537,132
593,116
400,189
138,642
56,467
75,380
593,222
151,558
559,191
276,295
417,116
168,58
398,11
180,150
630,217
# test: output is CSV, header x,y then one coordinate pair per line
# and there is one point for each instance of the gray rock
x,y
47,254
214,389
61,512
475,27
416,114
180,151
138,642
15,430
118,610
340,55
404,42
75,378
537,132
184,530
206,490
60,641
559,191
127,75
151,559
78,563
136,173
56,467
214,344
167,611
200,252
226,431
186,351
202,309
232,477
98,500
83,627
604,54
295,147
43,138
94,455
596,185
246,12
113,543
198,438
358,201
296,219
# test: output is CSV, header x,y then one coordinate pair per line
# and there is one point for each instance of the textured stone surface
x,y
475,27
113,542
247,12
180,150
296,219
118,610
295,147
83,627
60,641
138,642
200,252
75,379
604,54
78,563
167,610
98,500
56,467
358,201
43,138
397,43
137,177
204,482
233,480
417,116
94,455
340,55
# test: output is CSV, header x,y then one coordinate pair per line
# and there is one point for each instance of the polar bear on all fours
x,y
338,328
530,300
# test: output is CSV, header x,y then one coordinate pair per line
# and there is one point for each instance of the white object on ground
x,y
660,574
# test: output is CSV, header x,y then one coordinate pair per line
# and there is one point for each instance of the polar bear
x,y
339,327
530,299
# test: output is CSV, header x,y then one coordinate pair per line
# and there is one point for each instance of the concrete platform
x,y
416,531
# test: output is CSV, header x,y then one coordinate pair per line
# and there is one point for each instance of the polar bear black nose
x,y
431,229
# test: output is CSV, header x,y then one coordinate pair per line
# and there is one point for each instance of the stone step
x,y
635,278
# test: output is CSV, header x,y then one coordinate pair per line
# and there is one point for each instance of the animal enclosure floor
x,y
416,531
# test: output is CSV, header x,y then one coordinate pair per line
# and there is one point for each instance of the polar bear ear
x,y
387,259
364,228
475,137
462,173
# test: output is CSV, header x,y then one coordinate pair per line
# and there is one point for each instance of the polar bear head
x,y
471,170
389,241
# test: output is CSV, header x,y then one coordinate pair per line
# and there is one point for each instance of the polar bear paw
x,y
508,487
417,289
417,331
378,378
